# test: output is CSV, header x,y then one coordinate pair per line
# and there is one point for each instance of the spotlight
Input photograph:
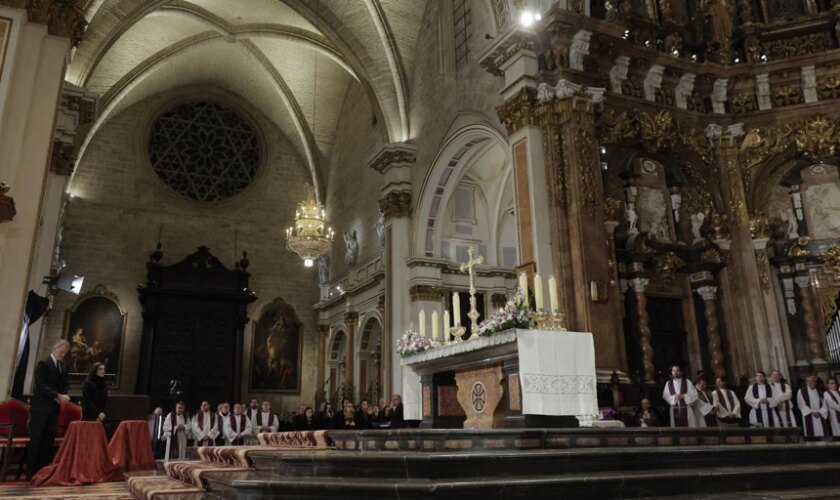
x,y
307,262
737,60
65,282
537,17
647,43
526,18
603,150
763,57
626,34
675,53
694,57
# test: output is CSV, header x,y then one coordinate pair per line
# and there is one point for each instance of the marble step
x,y
520,439
449,465
681,483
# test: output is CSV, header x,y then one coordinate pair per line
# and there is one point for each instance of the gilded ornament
x,y
396,204
759,226
786,95
800,248
666,267
614,208
829,89
763,269
518,111
64,18
831,259
817,138
720,227
711,256
588,168
828,305
798,46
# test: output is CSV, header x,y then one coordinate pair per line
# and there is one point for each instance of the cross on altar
x,y
469,266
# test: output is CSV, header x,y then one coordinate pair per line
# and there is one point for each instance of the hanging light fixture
x,y
310,237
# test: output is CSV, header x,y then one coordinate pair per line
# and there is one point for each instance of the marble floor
x,y
110,491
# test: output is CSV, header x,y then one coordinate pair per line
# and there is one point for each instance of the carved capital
x,y
63,158
350,318
64,18
426,292
323,331
396,204
802,281
639,284
707,292
394,155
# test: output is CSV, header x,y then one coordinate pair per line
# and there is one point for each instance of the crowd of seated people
x,y
240,424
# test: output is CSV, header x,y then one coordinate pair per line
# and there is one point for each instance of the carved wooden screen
x,y
194,317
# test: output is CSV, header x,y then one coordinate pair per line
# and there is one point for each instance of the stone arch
x,y
369,357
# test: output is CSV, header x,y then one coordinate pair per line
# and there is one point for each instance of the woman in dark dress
x,y
94,394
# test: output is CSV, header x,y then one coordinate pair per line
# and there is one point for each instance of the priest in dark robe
x,y
646,416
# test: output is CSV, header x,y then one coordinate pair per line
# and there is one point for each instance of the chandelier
x,y
309,237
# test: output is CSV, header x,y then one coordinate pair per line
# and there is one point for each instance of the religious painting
x,y
95,328
5,31
822,201
653,213
276,350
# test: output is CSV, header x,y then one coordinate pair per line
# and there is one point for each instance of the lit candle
x,y
435,325
523,284
552,294
538,292
456,308
422,323
446,324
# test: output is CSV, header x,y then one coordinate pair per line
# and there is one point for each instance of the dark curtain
x,y
36,306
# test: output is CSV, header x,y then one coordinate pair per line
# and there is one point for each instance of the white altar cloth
x,y
556,369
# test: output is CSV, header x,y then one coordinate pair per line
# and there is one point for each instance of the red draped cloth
x,y
131,447
82,458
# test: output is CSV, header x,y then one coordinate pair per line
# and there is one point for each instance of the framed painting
x,y
276,350
95,328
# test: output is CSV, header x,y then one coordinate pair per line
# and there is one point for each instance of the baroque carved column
x,y
350,319
809,311
709,295
645,337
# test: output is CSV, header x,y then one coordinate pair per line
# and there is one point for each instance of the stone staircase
x,y
555,463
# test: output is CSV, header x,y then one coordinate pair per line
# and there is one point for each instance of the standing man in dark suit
x,y
51,384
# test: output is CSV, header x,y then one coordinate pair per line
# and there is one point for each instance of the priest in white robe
x,y
221,416
703,408
832,404
783,393
812,406
680,394
762,402
204,426
266,421
237,427
727,405
176,432
252,410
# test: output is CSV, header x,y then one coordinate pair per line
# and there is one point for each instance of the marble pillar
x,y
809,314
709,296
638,285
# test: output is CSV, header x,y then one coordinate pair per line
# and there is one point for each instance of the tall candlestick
x,y
456,308
523,284
552,294
446,324
422,323
435,325
538,292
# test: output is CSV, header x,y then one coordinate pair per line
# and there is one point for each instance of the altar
x,y
514,378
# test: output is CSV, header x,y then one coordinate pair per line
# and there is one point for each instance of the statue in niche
x,y
632,219
324,269
351,255
652,208
792,224
380,228
696,225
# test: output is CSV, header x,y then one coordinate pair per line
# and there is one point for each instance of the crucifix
x,y
469,266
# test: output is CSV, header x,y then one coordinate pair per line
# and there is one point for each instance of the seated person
x,y
646,416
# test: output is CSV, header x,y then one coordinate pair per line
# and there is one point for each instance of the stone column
x,y
709,295
350,319
394,162
321,362
809,311
645,339
37,51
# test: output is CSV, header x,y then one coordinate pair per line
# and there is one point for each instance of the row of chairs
x,y
14,431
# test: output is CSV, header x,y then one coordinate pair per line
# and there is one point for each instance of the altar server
x,y
813,408
680,394
727,405
237,426
704,407
176,432
762,402
204,426
266,421
783,393
832,403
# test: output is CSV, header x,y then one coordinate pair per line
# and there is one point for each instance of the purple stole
x,y
836,412
759,415
199,417
710,418
270,419
173,439
679,410
238,429
728,399
806,419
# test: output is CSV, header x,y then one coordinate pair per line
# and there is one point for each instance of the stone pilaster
x,y
350,320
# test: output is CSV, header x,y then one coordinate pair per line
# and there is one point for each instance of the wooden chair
x,y
67,414
14,432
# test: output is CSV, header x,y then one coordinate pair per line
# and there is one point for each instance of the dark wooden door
x,y
668,335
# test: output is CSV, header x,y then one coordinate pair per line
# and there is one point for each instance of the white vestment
x,y
784,406
762,414
726,403
252,414
237,427
808,402
832,404
676,404
701,408
262,420
204,428
177,449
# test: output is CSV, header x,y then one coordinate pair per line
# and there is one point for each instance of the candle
x,y
435,325
423,323
523,284
538,292
446,324
456,308
552,294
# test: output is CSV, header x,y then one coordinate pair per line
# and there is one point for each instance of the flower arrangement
x,y
515,314
411,342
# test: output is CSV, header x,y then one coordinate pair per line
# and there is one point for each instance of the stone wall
x,y
112,225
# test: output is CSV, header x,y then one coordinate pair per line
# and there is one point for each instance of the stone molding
x,y
393,155
396,204
63,18
426,292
